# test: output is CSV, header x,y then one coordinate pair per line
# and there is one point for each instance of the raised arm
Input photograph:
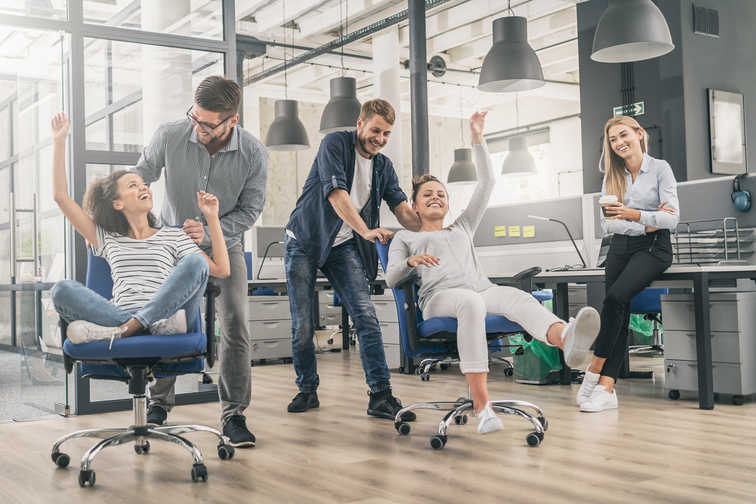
x,y
73,212
220,265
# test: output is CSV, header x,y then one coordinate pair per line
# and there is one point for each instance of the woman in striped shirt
x,y
159,274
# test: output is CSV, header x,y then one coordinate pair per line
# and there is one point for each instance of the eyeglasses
x,y
207,128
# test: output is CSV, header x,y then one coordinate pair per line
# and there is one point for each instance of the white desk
x,y
701,278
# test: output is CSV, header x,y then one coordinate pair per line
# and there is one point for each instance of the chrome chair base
x,y
458,416
140,434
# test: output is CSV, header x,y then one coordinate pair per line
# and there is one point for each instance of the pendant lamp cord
x,y
341,34
461,117
509,7
286,80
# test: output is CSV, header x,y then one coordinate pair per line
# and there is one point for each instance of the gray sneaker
x,y
175,324
578,336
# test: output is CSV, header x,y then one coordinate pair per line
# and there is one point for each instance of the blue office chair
x,y
437,338
136,361
648,304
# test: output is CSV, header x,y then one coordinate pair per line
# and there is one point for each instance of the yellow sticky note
x,y
500,231
528,231
514,230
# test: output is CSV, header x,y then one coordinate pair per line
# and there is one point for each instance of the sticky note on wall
x,y
528,231
500,231
514,230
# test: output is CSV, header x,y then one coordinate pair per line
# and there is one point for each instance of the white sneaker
x,y
578,336
488,421
175,324
590,380
81,331
600,400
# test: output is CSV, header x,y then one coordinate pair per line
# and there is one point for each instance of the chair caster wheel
x,y
142,449
437,442
207,379
86,477
738,400
329,341
61,459
225,452
544,423
199,472
352,342
674,394
460,419
444,367
534,439
402,428
509,372
425,376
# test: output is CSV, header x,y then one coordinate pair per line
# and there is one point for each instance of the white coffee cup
x,y
605,201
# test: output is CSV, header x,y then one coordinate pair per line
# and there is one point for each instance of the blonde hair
x,y
613,165
418,182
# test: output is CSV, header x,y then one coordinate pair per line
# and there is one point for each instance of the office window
x,y
190,18
48,9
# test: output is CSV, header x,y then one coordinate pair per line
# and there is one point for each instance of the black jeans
x,y
633,262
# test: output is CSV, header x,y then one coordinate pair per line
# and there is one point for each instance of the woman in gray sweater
x,y
452,282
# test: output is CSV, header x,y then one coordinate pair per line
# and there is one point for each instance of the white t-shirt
x,y
139,267
360,194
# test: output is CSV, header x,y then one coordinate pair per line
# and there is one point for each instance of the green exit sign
x,y
636,109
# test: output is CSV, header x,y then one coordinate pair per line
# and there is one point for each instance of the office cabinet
x,y
269,322
733,343
385,309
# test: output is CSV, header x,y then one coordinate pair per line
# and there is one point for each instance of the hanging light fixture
x,y
518,161
631,30
343,109
462,171
511,65
286,132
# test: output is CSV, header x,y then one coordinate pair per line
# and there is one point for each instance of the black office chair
x,y
437,337
137,361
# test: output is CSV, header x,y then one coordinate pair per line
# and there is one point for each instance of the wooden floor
x,y
650,450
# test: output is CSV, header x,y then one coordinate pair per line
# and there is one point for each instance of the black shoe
x,y
385,405
303,402
236,430
156,415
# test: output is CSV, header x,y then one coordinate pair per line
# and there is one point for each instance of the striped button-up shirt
x,y
236,174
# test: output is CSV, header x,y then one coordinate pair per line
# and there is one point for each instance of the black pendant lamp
x,y
286,132
511,65
631,30
462,171
518,161
343,109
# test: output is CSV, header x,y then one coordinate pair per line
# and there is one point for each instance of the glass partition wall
x,y
119,69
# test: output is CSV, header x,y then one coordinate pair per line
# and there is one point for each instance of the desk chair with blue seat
x,y
648,304
437,337
136,361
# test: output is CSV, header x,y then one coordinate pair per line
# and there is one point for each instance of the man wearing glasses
x,y
209,151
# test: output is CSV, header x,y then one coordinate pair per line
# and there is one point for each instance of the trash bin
x,y
536,363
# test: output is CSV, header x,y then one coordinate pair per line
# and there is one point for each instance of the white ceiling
x,y
459,31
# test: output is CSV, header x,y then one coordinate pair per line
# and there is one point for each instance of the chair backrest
x,y
405,319
98,275
648,301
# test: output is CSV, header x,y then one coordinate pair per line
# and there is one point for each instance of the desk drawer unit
x,y
269,327
733,342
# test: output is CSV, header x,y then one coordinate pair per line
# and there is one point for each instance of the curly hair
x,y
98,203
418,182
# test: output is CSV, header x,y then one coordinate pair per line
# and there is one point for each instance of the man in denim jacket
x,y
333,228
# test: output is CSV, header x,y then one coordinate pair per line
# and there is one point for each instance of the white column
x,y
167,90
386,86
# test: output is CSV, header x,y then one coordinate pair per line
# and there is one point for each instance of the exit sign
x,y
636,109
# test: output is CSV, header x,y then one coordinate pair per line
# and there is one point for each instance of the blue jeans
x,y
345,272
182,289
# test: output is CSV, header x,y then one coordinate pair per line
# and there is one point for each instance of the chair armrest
x,y
211,292
410,309
525,278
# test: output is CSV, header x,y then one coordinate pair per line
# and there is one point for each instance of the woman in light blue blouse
x,y
646,210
